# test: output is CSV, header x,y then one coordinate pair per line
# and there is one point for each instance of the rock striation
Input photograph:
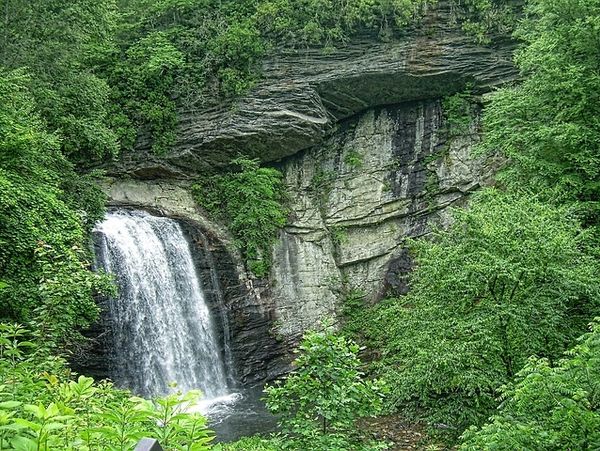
x,y
386,175
305,93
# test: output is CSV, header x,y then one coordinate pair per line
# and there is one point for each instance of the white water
x,y
162,330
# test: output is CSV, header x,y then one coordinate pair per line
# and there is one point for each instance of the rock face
x,y
385,175
368,161
304,94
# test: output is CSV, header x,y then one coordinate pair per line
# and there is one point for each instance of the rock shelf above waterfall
x,y
305,93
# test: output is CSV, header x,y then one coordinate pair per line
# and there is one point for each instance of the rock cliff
x,y
385,175
305,93
362,140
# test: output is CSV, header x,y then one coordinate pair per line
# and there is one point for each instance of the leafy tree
x,y
59,42
550,407
42,228
548,124
326,393
250,201
508,280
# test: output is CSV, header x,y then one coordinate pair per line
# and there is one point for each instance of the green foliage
x,y
459,112
339,235
548,124
548,127
250,202
144,81
58,42
320,401
481,19
183,54
548,407
354,159
42,225
329,22
254,443
355,314
43,408
507,281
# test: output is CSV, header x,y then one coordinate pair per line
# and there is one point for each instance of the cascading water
x,y
161,325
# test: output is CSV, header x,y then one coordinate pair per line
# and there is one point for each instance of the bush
x,y
320,401
550,407
250,202
45,211
508,280
43,408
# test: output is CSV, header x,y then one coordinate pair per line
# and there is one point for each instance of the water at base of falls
x,y
162,330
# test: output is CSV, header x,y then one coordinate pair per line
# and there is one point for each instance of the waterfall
x,y
162,330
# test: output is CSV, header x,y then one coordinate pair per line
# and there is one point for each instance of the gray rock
x,y
305,93
386,175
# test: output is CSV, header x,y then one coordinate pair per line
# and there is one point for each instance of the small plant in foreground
x,y
43,408
320,401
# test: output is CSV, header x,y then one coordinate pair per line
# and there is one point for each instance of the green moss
x,y
354,159
339,235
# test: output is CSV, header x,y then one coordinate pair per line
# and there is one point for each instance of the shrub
x,y
42,406
508,280
250,202
550,407
326,393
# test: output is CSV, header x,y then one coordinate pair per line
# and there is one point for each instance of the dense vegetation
x,y
548,406
507,281
476,349
320,401
43,407
250,200
497,298
46,210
